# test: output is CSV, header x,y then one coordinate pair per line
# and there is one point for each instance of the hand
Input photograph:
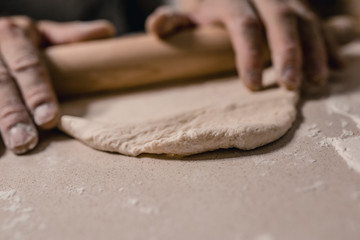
x,y
27,99
296,39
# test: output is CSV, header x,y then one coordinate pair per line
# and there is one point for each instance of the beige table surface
x,y
296,188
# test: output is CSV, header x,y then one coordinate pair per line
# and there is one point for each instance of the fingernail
x,y
45,114
291,77
253,79
22,138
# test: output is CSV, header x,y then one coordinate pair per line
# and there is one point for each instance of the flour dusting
x,y
344,123
15,213
346,134
265,236
337,105
133,201
80,190
313,130
349,150
6,195
319,185
324,143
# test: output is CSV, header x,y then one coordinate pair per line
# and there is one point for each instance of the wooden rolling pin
x,y
133,61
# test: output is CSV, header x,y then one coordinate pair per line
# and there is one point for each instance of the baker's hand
x,y
297,42
27,100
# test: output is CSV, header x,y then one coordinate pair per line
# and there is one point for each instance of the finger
x,y
24,63
315,56
335,60
246,34
16,127
29,27
165,22
282,32
60,33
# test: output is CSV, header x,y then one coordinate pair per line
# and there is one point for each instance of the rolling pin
x,y
138,60
132,61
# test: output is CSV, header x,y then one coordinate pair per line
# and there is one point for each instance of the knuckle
x,y
36,95
11,113
5,77
16,26
26,62
6,24
24,22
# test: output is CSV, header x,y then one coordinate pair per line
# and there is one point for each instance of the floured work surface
x,y
303,186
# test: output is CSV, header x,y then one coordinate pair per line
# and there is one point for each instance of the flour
x,y
344,123
313,130
346,134
330,124
142,208
80,190
343,103
324,143
15,212
14,207
311,160
133,201
6,195
265,236
149,210
338,105
264,161
349,150
314,187
24,217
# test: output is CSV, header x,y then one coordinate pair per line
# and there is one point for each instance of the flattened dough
x,y
213,115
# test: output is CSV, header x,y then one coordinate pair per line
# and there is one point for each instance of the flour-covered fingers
x,y
315,54
246,32
18,132
281,25
247,37
26,67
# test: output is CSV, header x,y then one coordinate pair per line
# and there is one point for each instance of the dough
x,y
230,116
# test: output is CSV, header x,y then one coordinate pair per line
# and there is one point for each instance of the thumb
x,y
61,33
